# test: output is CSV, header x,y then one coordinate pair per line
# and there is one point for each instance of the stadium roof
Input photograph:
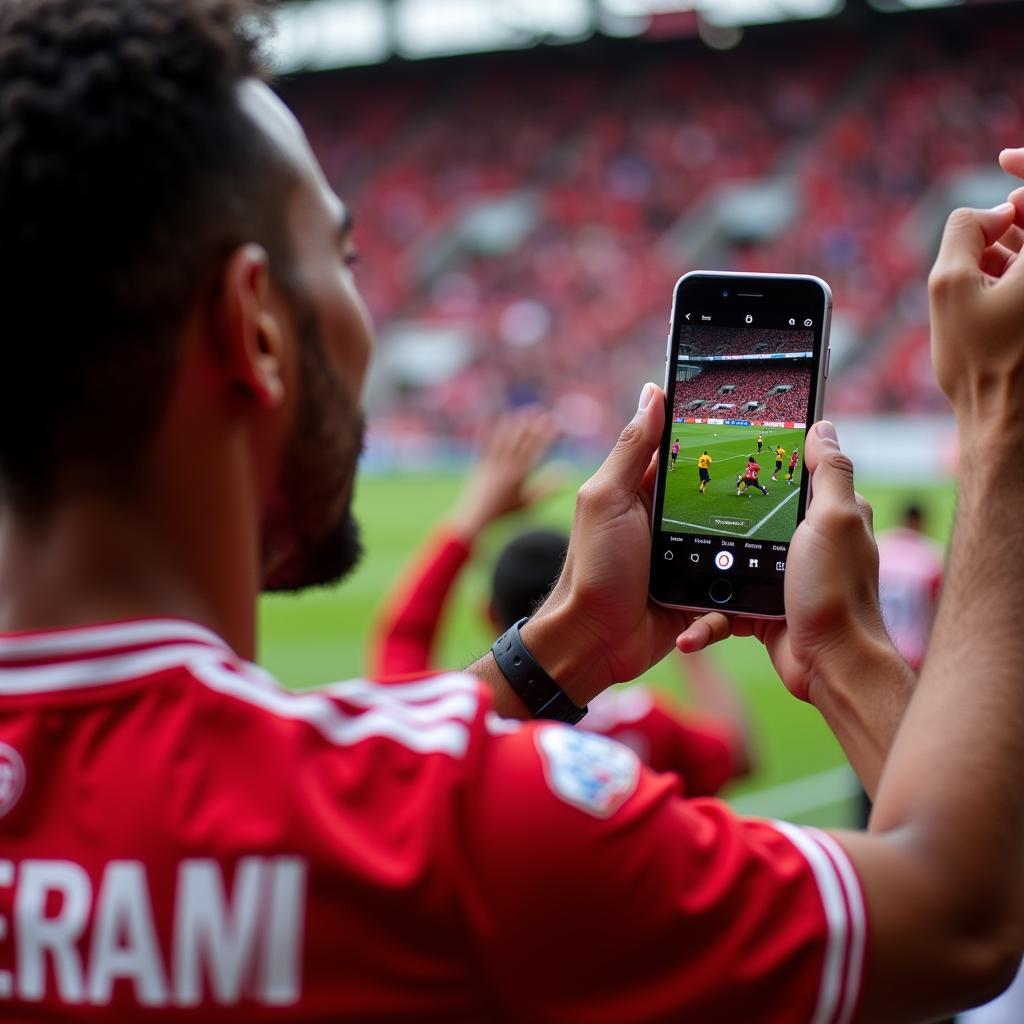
x,y
321,34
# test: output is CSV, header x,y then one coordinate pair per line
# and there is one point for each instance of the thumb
x,y
831,469
625,467
1012,161
968,233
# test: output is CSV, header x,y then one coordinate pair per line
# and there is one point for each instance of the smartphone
x,y
746,364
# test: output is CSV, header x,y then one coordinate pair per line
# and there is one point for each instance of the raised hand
x,y
499,484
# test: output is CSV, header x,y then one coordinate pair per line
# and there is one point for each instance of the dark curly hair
x,y
128,172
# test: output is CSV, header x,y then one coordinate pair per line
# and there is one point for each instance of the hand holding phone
x,y
831,581
746,362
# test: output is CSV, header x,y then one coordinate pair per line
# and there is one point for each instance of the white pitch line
x,y
796,798
758,525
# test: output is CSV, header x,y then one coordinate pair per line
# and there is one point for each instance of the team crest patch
x,y
12,777
588,771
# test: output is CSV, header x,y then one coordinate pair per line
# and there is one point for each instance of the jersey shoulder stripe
x,y
431,715
440,725
843,903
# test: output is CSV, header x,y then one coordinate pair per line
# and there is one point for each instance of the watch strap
x,y
535,688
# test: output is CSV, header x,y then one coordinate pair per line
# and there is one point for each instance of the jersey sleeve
x,y
405,633
703,753
595,893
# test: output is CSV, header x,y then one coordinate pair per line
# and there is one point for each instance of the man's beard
x,y
310,537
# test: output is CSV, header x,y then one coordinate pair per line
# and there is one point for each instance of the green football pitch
x,y
324,635
751,515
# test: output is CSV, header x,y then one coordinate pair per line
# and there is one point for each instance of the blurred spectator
x,y
909,577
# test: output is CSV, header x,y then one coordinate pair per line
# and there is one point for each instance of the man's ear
x,y
252,334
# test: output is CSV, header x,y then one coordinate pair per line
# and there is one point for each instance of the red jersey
x,y
753,468
910,569
704,753
793,460
183,840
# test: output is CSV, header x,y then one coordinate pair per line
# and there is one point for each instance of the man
x,y
794,458
706,748
704,471
185,840
675,454
909,577
749,478
760,443
780,454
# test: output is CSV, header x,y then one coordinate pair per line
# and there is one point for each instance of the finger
x,y
968,233
831,469
703,632
867,513
1017,198
996,259
1014,238
646,491
1012,161
623,471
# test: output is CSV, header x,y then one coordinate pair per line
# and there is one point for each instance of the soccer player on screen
x,y
675,454
760,443
780,454
703,467
793,460
749,478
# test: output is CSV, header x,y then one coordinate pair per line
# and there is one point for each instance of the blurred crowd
x,y
542,203
757,392
730,341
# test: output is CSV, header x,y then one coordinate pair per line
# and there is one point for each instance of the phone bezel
x,y
734,281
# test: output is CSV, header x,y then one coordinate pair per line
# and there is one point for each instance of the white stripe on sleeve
x,y
838,921
858,923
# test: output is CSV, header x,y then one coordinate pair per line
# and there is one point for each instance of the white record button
x,y
724,560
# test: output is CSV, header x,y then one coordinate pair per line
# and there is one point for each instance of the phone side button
x,y
828,359
720,592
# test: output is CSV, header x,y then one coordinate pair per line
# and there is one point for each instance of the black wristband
x,y
534,687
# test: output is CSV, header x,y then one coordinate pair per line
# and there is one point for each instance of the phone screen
x,y
744,382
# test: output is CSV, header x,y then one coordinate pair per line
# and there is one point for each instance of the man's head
x,y
705,451
913,517
750,458
524,574
165,231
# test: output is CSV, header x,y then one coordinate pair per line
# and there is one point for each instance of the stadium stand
x,y
539,203
734,388
729,341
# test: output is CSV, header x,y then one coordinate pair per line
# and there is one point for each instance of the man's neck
x,y
97,559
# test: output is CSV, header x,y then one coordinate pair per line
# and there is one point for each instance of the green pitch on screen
x,y
719,511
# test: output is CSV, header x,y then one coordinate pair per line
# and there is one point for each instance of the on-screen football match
x,y
733,501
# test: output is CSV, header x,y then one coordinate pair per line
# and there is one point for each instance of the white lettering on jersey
x,y
124,939
208,932
37,934
6,881
226,948
282,952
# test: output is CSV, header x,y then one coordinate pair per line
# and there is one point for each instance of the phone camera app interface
x,y
740,400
